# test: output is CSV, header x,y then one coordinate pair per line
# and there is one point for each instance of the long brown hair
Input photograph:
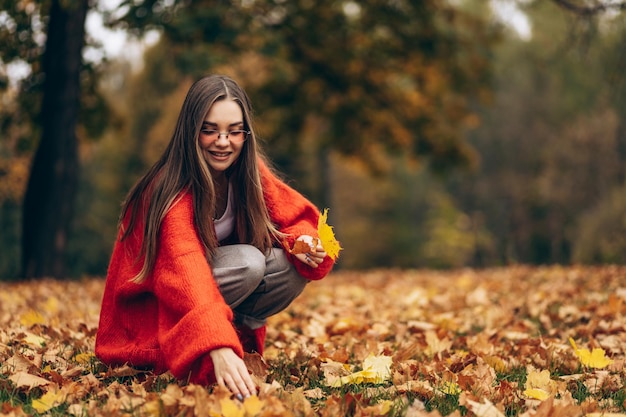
x,y
183,168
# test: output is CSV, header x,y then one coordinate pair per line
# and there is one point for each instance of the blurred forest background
x,y
440,133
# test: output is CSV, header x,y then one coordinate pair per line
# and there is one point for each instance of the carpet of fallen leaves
x,y
522,341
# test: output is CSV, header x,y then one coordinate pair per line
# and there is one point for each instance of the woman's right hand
x,y
231,372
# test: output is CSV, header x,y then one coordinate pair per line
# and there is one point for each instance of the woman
x,y
202,260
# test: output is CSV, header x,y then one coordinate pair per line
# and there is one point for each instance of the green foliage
x,y
449,239
412,222
363,72
550,146
386,85
602,233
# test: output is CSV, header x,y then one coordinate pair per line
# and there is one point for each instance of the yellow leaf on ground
x,y
376,370
594,359
85,358
539,386
380,365
252,406
49,400
52,305
31,318
231,409
536,394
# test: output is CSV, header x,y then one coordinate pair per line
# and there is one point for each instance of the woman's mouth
x,y
220,155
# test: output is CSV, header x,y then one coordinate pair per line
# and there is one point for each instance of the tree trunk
x,y
50,194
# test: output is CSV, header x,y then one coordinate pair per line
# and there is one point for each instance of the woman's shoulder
x,y
181,207
269,174
183,201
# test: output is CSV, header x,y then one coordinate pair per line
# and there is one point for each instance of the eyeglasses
x,y
235,136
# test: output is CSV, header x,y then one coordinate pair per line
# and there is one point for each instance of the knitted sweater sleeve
x,y
294,215
193,318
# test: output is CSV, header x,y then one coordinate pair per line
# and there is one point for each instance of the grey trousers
x,y
254,285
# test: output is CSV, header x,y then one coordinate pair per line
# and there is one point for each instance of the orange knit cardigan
x,y
177,315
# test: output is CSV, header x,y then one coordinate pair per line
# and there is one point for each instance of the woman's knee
x,y
284,275
253,259
243,261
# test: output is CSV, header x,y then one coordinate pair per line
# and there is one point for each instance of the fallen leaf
x,y
594,359
34,340
539,386
252,405
484,409
25,380
376,370
31,318
256,365
85,358
231,409
380,409
50,399
436,345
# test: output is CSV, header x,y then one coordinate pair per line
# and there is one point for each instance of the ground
x,y
529,341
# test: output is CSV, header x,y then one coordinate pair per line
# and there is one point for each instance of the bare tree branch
x,y
584,10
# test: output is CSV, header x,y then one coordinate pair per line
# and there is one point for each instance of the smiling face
x,y
224,116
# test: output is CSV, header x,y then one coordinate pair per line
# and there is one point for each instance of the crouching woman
x,y
201,259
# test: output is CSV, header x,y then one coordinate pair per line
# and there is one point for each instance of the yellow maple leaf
x,y
52,305
539,386
327,236
253,405
380,365
85,358
536,394
31,318
495,362
49,400
376,370
231,409
594,359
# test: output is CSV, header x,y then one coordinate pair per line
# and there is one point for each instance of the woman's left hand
x,y
315,256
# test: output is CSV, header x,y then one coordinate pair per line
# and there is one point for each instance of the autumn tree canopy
x,y
378,82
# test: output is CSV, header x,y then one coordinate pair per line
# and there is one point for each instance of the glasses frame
x,y
246,135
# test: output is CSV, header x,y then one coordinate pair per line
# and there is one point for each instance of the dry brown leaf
x,y
300,246
23,379
256,365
